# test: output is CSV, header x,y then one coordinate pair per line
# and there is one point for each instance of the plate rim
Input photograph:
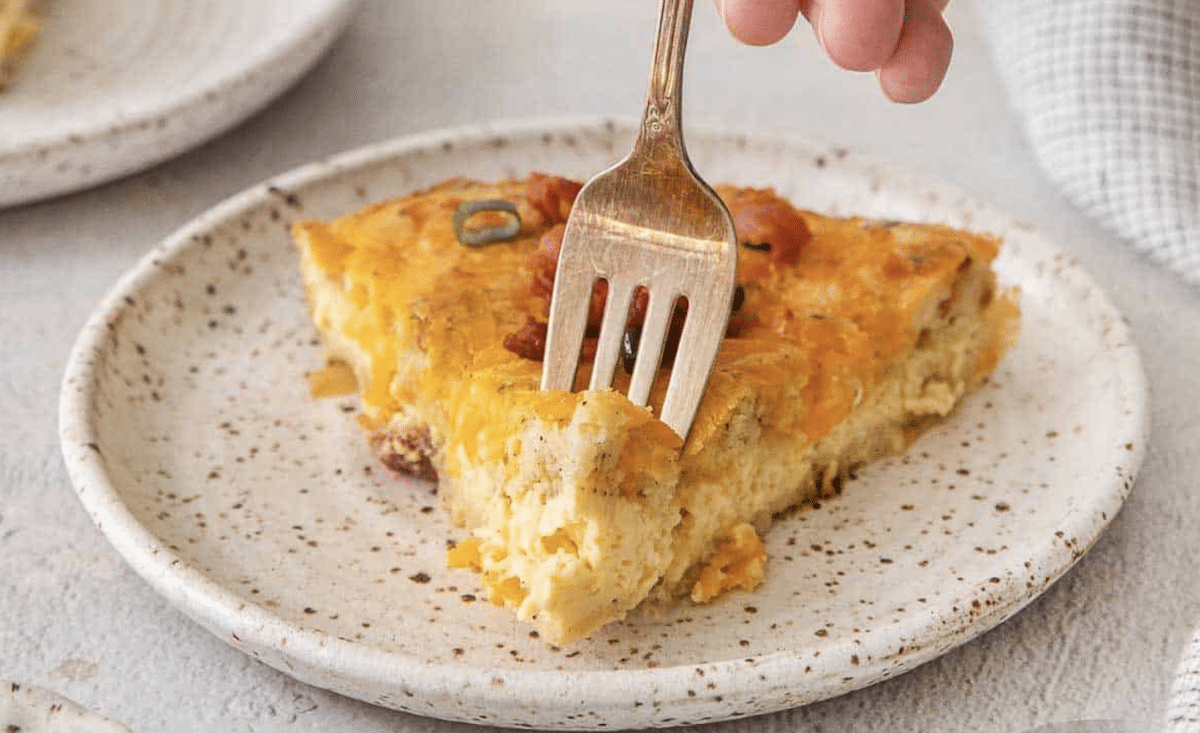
x,y
326,26
255,628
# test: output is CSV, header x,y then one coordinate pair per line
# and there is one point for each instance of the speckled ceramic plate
x,y
191,439
115,86
26,709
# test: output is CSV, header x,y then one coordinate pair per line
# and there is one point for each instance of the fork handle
x,y
662,123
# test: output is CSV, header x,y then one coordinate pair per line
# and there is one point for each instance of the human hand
x,y
905,42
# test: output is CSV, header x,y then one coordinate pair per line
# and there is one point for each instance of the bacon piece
x,y
528,341
762,218
407,450
543,263
552,196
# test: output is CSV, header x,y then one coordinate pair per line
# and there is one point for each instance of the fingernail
x,y
818,28
721,11
879,81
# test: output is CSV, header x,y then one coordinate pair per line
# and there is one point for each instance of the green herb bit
x,y
483,236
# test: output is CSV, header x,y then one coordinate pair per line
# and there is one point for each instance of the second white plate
x,y
192,441
112,87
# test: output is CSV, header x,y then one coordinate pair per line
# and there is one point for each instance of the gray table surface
x,y
1101,643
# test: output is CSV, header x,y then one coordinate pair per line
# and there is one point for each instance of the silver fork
x,y
648,221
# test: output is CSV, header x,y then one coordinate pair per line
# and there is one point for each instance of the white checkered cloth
x,y
1109,91
1183,712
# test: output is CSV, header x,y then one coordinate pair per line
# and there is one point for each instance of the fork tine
x,y
568,321
698,345
650,346
612,330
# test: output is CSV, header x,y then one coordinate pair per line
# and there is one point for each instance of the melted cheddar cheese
x,y
17,30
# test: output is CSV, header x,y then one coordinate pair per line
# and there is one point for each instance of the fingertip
x,y
759,22
918,68
860,35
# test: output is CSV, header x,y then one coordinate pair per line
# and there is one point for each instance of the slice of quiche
x,y
17,30
848,338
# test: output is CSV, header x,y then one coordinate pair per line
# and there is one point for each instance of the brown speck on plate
x,y
29,709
